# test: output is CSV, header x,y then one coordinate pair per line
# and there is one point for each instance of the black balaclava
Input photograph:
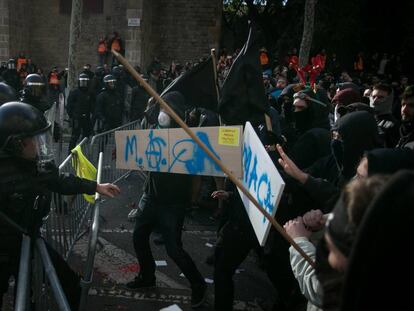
x,y
359,133
285,100
303,119
314,116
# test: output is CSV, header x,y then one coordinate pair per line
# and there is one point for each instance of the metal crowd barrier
x,y
44,278
93,240
67,215
63,226
105,142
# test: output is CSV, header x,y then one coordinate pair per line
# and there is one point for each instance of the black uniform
x,y
39,103
79,108
12,78
109,109
20,184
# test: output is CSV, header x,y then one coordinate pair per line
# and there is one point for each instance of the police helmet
x,y
34,85
83,80
11,64
109,81
99,71
17,121
7,93
117,71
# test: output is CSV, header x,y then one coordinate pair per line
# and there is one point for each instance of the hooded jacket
x,y
358,131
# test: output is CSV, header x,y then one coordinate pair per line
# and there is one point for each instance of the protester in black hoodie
x,y
353,134
163,204
312,129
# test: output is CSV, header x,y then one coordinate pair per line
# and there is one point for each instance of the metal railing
x,y
93,240
67,215
44,278
105,142
63,226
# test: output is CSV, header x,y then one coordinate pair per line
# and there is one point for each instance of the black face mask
x,y
337,148
303,120
287,109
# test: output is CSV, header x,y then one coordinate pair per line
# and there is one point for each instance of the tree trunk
x,y
308,23
75,33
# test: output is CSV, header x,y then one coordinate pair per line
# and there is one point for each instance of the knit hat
x,y
346,97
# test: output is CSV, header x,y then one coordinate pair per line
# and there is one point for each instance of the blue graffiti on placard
x,y
190,153
254,182
131,148
154,151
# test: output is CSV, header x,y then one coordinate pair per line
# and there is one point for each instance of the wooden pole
x,y
226,171
213,57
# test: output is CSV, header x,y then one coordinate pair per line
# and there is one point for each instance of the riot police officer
x,y
7,93
120,75
79,108
11,76
110,107
34,92
28,175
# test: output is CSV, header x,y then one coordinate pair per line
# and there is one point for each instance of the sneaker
x,y
198,295
139,282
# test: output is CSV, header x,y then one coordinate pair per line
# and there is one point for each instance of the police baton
x,y
225,170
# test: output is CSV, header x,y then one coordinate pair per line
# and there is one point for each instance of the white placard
x,y
263,181
134,22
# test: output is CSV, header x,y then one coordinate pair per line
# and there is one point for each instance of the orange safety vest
x,y
20,62
115,45
264,59
101,47
54,80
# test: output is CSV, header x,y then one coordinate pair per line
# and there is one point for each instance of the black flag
x,y
243,96
197,85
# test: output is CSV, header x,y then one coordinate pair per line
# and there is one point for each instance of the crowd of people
x,y
341,139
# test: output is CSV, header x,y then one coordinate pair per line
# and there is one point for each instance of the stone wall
x,y
50,33
185,30
4,30
19,27
182,29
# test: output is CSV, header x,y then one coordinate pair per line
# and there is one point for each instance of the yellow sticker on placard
x,y
229,136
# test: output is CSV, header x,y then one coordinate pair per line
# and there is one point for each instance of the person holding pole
x,y
172,115
163,203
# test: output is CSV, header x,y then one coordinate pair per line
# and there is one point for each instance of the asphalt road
x,y
116,264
